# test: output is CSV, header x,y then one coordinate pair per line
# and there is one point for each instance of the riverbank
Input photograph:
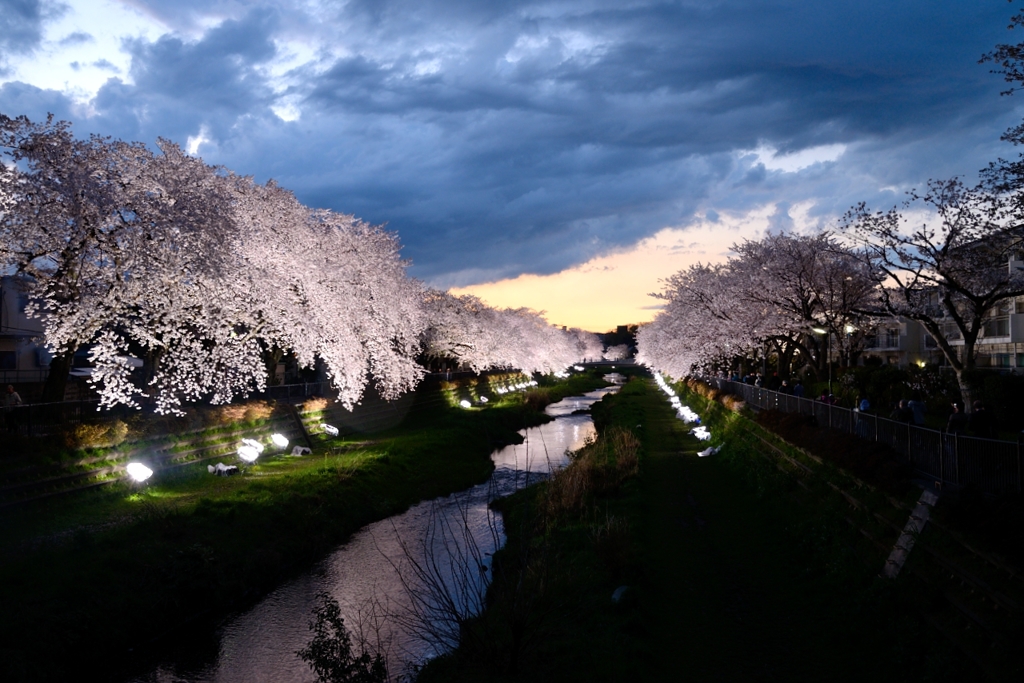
x,y
731,572
107,576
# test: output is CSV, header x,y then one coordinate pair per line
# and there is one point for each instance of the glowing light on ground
x,y
138,471
248,453
329,429
465,404
253,444
279,440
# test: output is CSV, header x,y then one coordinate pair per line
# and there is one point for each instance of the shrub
x,y
315,405
701,389
733,402
96,435
330,653
118,433
250,411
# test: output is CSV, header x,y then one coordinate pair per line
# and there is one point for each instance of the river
x,y
391,575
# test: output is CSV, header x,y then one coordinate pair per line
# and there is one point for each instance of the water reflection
x,y
375,572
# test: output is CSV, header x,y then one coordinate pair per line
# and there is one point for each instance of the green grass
x,y
106,573
736,573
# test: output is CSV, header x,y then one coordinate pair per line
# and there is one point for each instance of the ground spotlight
x,y
333,431
279,440
465,404
253,444
248,453
138,471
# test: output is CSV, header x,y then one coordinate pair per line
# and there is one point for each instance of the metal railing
x,y
955,460
42,419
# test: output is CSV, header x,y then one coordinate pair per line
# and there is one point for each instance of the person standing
x,y
902,412
11,401
957,419
916,406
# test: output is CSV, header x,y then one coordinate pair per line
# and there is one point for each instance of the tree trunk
x,y
964,372
966,392
271,358
57,381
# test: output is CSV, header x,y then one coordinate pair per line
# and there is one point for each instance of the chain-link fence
x,y
954,459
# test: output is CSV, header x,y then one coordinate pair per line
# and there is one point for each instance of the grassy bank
x,y
953,613
91,583
734,571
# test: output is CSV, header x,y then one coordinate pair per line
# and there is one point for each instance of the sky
x,y
561,155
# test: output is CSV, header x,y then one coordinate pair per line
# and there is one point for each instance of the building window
x,y
8,360
892,338
1001,360
996,327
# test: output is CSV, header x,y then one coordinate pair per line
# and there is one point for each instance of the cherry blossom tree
x,y
325,286
94,227
773,291
705,321
803,283
588,345
197,270
950,270
617,352
471,333
207,276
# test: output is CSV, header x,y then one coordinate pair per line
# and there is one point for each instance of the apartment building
x,y
22,358
1000,345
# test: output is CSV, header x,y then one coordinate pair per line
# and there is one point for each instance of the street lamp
x,y
828,354
849,329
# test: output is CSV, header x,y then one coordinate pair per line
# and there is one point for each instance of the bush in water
x,y
329,654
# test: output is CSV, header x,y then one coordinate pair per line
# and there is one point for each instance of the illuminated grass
x,y
107,570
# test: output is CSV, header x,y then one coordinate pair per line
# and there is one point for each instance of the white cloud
x,y
796,161
196,141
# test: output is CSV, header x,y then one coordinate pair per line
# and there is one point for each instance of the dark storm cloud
x,y
184,85
502,137
21,26
28,100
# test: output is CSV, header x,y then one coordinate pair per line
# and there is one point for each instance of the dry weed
x,y
733,402
250,411
315,405
96,435
599,468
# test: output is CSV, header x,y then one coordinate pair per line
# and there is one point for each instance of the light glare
x,y
138,471
253,444
248,453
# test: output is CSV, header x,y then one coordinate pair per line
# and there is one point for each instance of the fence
x,y
954,459
41,419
